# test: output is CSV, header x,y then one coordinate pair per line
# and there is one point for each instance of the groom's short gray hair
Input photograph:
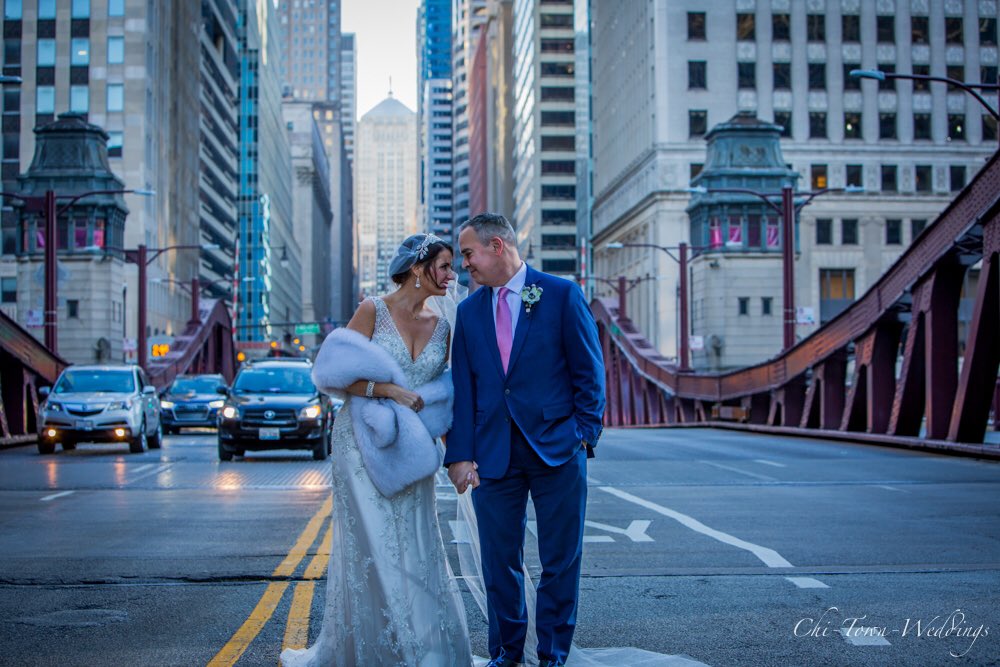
x,y
489,226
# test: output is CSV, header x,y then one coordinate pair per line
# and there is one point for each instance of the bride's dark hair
x,y
433,250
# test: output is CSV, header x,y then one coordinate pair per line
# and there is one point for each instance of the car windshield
x,y
203,384
276,380
91,381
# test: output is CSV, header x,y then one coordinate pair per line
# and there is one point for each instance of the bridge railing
x,y
25,364
205,346
941,397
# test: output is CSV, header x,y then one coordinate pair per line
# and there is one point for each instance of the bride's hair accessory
x,y
414,249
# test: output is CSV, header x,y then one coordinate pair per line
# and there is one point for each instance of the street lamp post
x,y
684,346
621,285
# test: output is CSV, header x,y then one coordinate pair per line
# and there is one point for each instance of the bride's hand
x,y
406,398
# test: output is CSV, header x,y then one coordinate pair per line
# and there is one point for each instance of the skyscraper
x,y
311,49
468,16
386,186
349,91
434,115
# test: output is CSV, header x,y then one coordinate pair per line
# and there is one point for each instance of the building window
x,y
852,125
72,309
780,27
745,27
559,265
784,119
79,99
744,305
45,100
922,176
567,167
988,74
916,229
46,53
696,74
46,9
79,51
893,232
696,25
956,177
556,20
989,128
850,82
557,93
817,76
694,170
855,175
818,176
766,305
559,192
824,231
953,30
116,7
816,27
12,10
887,84
115,144
558,217
116,50
885,29
557,46
697,122
782,76
557,69
849,231
556,118
921,126
8,290
747,75
558,143
817,125
987,32
956,72
956,127
920,30
921,85
889,178
887,126
116,97
558,241
850,28
80,9
836,292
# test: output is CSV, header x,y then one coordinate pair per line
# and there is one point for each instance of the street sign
x,y
306,329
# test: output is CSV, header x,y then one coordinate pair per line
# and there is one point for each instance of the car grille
x,y
85,413
282,417
190,413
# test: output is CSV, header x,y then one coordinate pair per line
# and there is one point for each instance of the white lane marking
x,y
636,530
769,557
146,466
755,475
891,488
533,529
156,471
593,480
771,463
861,637
807,582
56,495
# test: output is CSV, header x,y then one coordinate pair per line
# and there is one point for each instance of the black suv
x,y
273,404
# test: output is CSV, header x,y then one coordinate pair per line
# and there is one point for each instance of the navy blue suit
x,y
525,431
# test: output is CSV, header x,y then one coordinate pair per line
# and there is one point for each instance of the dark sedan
x,y
192,400
273,404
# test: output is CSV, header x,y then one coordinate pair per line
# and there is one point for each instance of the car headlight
x,y
310,412
167,405
216,404
53,406
119,405
229,412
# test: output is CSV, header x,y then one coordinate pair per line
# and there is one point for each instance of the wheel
x,y
239,452
169,430
137,445
322,448
46,446
156,439
68,445
224,454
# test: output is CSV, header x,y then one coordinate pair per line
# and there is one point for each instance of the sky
x,y
386,42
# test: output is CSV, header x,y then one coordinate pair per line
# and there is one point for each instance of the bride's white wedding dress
x,y
391,599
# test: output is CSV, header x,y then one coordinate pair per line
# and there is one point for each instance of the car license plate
x,y
85,424
270,434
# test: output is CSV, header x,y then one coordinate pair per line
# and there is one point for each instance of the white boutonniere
x,y
531,295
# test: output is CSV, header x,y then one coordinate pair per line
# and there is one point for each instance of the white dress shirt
x,y
515,285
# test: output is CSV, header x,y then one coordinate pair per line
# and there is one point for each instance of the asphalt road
x,y
725,547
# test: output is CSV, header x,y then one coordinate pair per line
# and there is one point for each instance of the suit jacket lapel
x,y
523,322
489,327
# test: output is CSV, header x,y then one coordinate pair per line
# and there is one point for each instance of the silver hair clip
x,y
425,244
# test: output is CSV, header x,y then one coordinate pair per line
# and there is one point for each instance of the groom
x,y
529,398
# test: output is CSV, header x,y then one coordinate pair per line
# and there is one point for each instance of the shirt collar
x,y
516,283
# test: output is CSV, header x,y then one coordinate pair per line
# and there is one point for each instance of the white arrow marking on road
x,y
56,495
771,463
143,467
533,529
636,530
157,471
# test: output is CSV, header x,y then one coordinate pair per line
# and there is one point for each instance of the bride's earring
x,y
418,282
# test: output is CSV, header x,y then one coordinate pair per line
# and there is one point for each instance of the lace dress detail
x,y
391,599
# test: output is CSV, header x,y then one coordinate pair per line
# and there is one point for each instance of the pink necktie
x,y
505,338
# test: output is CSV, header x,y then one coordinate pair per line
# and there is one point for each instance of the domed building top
x,y
389,107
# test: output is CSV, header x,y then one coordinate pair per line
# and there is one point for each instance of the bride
x,y
391,599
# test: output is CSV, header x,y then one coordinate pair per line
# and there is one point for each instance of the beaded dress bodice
x,y
430,362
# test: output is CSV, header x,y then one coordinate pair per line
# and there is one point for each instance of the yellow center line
x,y
269,601
297,629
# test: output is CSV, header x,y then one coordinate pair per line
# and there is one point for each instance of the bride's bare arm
x,y
364,323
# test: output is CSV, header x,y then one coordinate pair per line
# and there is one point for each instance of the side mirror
x,y
44,391
149,390
222,389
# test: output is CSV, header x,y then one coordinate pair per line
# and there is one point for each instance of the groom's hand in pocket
x,y
463,475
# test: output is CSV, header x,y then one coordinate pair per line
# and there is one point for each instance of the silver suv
x,y
100,404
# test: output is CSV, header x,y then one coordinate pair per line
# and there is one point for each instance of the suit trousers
x,y
559,495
